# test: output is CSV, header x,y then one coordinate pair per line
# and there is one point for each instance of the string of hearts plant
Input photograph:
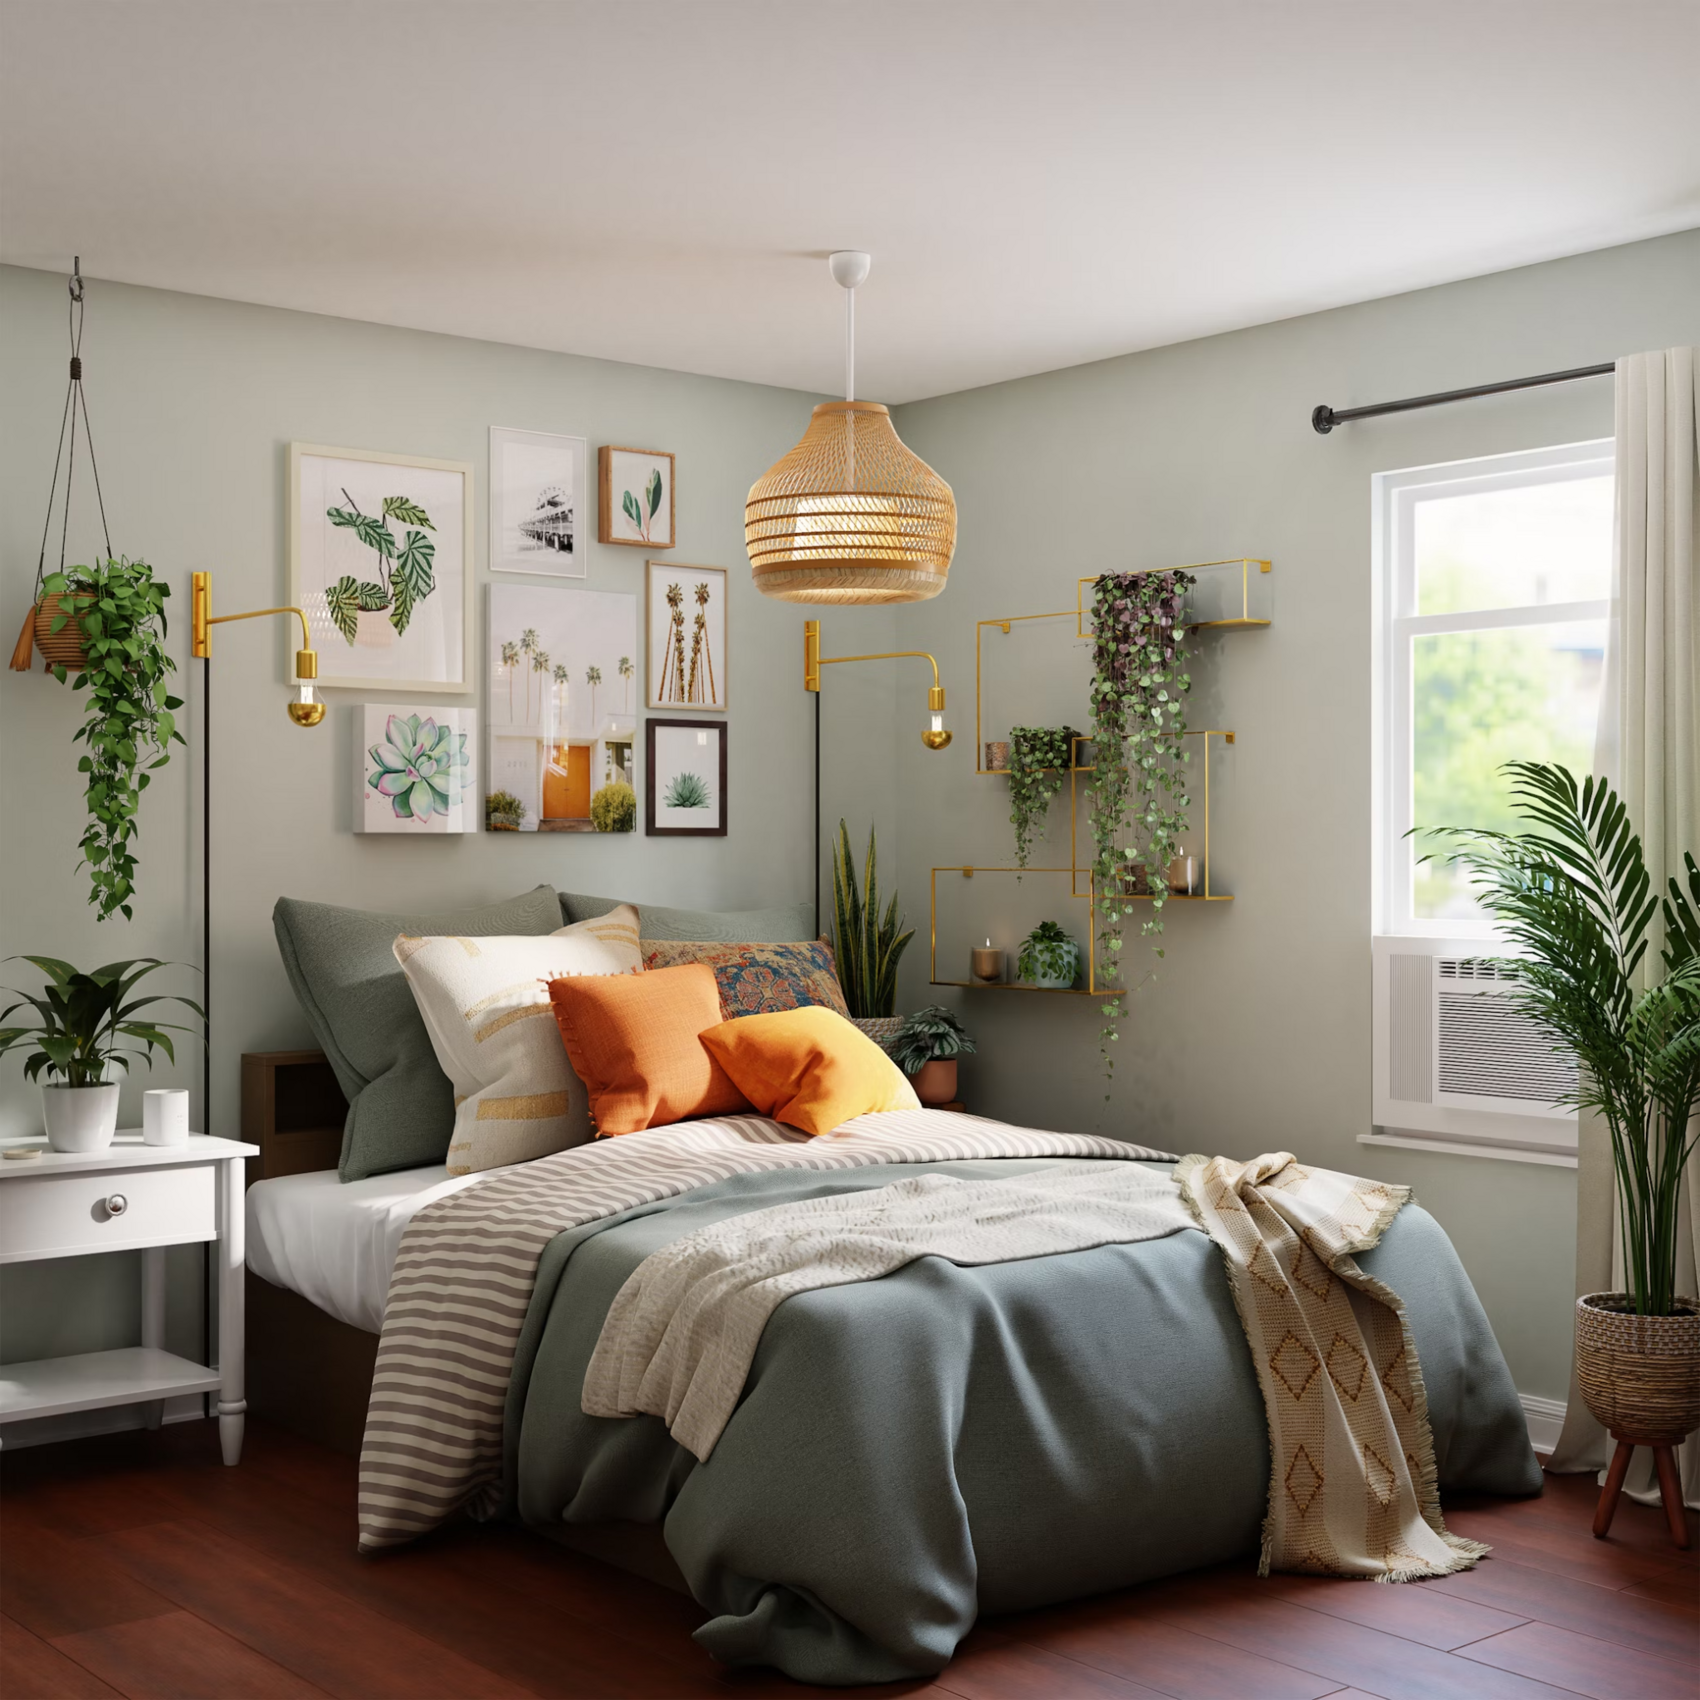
x,y
1039,760
1139,801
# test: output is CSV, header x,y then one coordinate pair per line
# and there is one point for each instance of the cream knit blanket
x,y
681,1334
1352,1488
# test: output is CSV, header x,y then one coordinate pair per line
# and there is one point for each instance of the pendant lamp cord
x,y
849,345
66,455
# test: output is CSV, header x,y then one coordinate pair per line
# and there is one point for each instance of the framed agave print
x,y
635,497
685,635
685,778
539,503
418,770
380,558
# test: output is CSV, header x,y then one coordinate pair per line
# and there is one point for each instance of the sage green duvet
x,y
912,1451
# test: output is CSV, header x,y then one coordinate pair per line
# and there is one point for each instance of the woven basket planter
x,y
66,647
1639,1375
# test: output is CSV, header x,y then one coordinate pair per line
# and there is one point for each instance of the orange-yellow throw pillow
x,y
809,1068
636,1049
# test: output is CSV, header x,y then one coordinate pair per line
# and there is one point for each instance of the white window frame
x,y
1396,624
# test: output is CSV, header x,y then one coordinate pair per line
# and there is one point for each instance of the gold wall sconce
x,y
936,736
307,709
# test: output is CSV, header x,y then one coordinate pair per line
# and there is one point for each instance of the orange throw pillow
x,y
633,1041
809,1068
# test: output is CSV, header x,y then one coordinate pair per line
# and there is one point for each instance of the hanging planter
x,y
54,625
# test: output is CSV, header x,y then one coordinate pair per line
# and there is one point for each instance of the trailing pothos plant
x,y
1139,801
129,725
1039,760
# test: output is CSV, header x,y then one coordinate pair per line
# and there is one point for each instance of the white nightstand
x,y
129,1197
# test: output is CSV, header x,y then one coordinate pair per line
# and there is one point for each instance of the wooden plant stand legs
x,y
1670,1490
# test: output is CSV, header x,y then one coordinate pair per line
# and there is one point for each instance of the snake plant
x,y
1574,895
867,944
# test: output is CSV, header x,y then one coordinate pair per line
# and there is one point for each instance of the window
x,y
1492,585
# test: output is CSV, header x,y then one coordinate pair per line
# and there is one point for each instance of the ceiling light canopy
x,y
850,515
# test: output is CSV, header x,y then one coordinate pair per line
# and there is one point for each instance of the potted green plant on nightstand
x,y
79,1036
926,1048
1049,958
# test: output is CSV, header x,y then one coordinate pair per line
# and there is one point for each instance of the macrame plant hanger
x,y
76,403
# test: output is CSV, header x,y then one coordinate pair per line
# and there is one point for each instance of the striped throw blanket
x,y
466,1268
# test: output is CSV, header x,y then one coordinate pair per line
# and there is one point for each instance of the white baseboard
x,y
79,1425
1545,1418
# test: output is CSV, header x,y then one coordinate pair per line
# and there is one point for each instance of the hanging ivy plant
x,y
1139,802
1039,760
120,610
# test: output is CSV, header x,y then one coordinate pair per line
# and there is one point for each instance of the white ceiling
x,y
1039,184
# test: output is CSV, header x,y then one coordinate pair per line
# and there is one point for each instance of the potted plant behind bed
x,y
82,1023
1574,895
926,1048
867,945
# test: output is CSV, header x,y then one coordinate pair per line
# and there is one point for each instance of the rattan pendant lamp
x,y
850,515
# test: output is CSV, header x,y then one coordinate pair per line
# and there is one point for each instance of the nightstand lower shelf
x,y
89,1381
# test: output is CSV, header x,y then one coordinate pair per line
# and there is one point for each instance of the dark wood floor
x,y
138,1565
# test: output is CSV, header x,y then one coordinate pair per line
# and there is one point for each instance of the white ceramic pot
x,y
80,1118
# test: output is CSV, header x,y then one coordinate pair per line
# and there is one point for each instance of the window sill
x,y
1461,1148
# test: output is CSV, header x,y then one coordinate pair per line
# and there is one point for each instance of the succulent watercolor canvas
x,y
418,770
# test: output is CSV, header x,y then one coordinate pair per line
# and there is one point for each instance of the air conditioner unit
x,y
1454,1060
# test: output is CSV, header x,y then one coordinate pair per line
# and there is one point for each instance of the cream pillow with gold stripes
x,y
485,1004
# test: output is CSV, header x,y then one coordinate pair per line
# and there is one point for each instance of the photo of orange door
x,y
566,783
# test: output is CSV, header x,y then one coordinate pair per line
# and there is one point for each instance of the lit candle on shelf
x,y
988,964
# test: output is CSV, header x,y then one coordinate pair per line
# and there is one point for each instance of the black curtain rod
x,y
1323,419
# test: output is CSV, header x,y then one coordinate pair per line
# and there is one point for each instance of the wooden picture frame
x,y
674,664
433,652
623,472
665,769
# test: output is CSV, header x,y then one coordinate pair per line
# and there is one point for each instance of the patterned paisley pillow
x,y
757,979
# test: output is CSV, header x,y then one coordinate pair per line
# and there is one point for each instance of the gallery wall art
x,y
635,497
417,770
685,776
539,503
685,635
561,709
380,557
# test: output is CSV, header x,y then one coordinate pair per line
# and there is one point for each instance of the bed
x,y
908,1452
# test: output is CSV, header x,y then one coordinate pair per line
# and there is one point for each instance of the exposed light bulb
x,y
936,737
306,709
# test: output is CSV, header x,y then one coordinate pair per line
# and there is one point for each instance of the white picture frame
x,y
416,770
361,643
540,503
561,715
685,668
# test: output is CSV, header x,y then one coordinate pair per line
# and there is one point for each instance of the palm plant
x,y
867,944
1575,897
84,1024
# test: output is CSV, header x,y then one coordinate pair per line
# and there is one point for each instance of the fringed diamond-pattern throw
x,y
1352,1489
467,1265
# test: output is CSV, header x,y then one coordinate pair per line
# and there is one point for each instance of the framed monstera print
x,y
380,559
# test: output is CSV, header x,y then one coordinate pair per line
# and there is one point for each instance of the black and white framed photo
x,y
685,778
685,636
539,503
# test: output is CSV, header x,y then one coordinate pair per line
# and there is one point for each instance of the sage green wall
x,y
194,402
1254,1032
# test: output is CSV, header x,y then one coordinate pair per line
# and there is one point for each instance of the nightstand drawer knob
x,y
117,1204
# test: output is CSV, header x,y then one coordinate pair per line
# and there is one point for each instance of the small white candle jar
x,y
165,1116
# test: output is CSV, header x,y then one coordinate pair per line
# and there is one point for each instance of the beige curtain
x,y
1648,747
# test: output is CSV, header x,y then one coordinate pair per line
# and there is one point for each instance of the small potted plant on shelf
x,y
1049,958
85,1028
1040,759
1574,896
503,812
926,1048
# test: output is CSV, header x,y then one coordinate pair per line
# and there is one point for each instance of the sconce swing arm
x,y
936,737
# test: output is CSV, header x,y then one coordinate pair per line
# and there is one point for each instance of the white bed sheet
x,y
335,1243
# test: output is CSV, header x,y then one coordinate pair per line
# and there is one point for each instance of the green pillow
x,y
400,1105
793,924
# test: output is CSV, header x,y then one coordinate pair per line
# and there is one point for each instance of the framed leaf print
x,y
380,559
685,778
635,493
685,636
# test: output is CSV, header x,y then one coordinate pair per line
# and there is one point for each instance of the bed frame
x,y
310,1373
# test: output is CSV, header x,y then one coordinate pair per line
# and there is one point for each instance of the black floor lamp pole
x,y
817,815
206,990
